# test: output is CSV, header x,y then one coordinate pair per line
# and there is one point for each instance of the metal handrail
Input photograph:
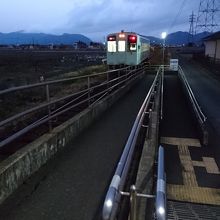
x,y
44,105
77,96
19,88
113,195
197,108
161,187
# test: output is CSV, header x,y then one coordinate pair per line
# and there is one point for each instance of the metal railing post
x,y
161,187
133,203
48,107
88,86
119,74
107,76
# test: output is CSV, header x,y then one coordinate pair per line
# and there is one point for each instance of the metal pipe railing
x,y
77,96
113,195
161,187
19,88
196,108
202,118
44,105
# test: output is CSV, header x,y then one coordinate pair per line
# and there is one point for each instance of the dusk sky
x,y
96,18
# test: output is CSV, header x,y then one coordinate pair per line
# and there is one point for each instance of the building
x,y
80,45
212,46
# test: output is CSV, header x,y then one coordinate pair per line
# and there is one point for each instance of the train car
x,y
127,48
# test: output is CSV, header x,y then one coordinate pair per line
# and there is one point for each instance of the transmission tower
x,y
207,19
192,19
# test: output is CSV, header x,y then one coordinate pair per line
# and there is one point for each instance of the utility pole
x,y
192,19
208,16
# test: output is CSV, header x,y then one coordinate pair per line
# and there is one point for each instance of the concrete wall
x,y
218,50
144,180
18,167
212,49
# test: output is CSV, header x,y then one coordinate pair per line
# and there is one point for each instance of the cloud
x,y
95,18
143,16
41,15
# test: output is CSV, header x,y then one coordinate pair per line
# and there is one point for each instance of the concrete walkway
x,y
73,185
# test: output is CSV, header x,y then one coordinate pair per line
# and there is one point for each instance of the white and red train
x,y
127,48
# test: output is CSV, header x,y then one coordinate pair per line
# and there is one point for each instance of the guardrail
x,y
95,87
115,190
196,108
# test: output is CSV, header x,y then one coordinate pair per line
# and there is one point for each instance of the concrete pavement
x,y
73,185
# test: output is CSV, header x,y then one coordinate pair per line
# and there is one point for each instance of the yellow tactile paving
x,y
188,173
193,194
190,191
183,150
180,141
198,163
189,179
210,165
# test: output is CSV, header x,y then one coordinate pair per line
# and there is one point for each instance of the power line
x,y
192,19
206,19
177,15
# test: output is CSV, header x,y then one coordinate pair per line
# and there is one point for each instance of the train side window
x,y
121,46
111,46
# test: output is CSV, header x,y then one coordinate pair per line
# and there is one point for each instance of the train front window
x,y
111,46
121,46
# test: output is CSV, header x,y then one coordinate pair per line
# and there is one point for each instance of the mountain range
x,y
41,38
180,38
17,38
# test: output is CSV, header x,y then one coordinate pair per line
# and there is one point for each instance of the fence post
x,y
88,85
119,74
48,107
161,187
133,203
126,75
107,76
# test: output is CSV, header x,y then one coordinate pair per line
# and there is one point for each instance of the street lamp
x,y
163,36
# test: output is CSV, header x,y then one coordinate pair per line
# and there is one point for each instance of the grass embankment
x,y
12,104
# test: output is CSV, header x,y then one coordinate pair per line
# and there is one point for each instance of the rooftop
x,y
214,36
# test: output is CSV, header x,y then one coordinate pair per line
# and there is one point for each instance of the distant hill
x,y
154,40
179,38
41,38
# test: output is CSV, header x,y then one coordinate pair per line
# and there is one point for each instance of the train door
x,y
121,41
132,49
